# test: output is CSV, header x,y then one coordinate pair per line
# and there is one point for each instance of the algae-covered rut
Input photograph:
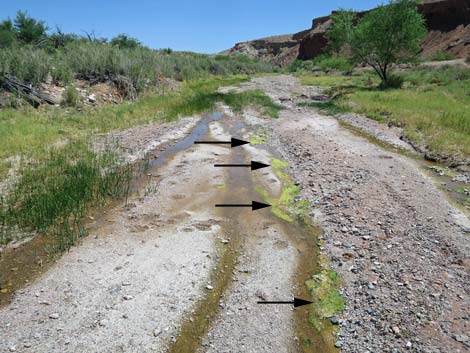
x,y
240,187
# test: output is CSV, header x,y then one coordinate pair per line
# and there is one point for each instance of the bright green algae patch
x,y
325,284
288,206
324,287
259,137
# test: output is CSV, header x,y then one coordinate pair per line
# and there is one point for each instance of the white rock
x,y
54,316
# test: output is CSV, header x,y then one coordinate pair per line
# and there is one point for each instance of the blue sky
x,y
202,26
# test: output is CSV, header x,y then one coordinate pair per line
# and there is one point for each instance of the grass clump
x,y
441,56
329,107
70,97
56,194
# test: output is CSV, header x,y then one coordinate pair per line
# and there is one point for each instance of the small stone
x,y
334,320
396,330
128,297
408,344
338,344
157,332
209,287
103,323
27,345
12,349
461,338
54,316
125,284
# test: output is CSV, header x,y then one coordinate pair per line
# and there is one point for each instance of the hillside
x,y
448,24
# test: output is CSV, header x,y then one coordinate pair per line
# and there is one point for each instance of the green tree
x,y
340,32
29,30
7,34
387,35
124,41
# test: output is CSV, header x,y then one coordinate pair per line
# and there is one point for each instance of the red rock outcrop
x,y
448,23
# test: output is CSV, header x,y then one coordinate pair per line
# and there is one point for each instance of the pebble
x,y
209,287
54,316
12,349
128,297
157,332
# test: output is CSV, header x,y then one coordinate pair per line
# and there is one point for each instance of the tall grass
x,y
55,195
96,60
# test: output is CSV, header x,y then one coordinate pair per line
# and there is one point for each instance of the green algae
x,y
260,137
328,302
288,206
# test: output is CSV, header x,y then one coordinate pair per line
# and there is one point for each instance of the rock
x,y
408,344
92,98
396,330
54,316
461,338
103,323
157,332
12,348
127,297
334,320
209,287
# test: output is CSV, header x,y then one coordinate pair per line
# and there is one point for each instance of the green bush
x,y
327,62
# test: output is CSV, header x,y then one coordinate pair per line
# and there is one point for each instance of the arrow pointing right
x,y
255,205
296,302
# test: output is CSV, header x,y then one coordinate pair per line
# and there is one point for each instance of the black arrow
x,y
254,205
254,165
296,302
233,142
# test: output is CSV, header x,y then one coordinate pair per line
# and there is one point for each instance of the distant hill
x,y
448,23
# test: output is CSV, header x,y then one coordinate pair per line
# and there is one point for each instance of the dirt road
x,y
169,272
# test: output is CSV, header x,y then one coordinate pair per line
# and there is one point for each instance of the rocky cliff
x,y
448,23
